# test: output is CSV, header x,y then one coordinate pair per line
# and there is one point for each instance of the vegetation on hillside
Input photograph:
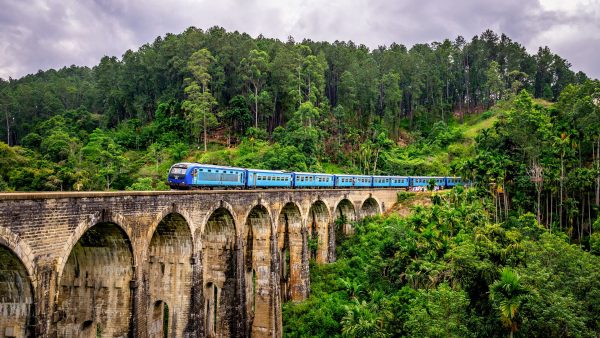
x,y
227,98
449,270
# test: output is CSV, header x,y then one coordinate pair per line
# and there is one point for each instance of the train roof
x,y
270,171
183,163
305,173
427,176
208,165
352,175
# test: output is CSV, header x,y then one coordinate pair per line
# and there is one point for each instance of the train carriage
x,y
312,180
399,181
453,181
381,181
423,181
258,178
349,181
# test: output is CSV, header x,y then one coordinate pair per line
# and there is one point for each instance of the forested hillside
x,y
306,106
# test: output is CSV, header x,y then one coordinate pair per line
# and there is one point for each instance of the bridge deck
x,y
121,193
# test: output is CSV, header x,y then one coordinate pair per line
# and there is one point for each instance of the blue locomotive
x,y
208,176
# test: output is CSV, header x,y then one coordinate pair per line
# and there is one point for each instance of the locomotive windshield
x,y
177,172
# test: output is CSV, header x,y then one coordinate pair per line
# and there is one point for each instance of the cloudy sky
x,y
42,34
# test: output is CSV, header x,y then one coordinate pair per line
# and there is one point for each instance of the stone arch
x,y
318,231
221,274
169,276
94,293
17,312
258,271
344,210
290,248
103,216
223,206
166,212
19,248
370,207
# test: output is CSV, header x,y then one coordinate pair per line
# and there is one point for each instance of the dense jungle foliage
x,y
449,270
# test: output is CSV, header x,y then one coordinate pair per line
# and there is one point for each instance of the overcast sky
x,y
43,34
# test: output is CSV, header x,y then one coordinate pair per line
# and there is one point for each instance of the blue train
x,y
208,176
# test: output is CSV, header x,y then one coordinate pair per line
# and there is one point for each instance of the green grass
x,y
470,131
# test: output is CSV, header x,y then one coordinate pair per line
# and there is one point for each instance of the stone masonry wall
x,y
216,263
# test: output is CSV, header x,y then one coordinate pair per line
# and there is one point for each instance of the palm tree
x,y
363,319
506,294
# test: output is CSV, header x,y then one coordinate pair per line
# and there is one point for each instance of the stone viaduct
x,y
166,264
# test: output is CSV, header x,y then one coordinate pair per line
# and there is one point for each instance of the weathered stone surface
x,y
188,263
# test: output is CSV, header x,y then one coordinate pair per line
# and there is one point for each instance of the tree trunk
x,y
562,173
551,211
255,106
274,113
205,136
299,90
589,212
7,128
375,166
598,172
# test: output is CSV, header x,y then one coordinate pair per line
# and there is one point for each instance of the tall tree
x,y
391,96
256,68
494,83
200,102
507,296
